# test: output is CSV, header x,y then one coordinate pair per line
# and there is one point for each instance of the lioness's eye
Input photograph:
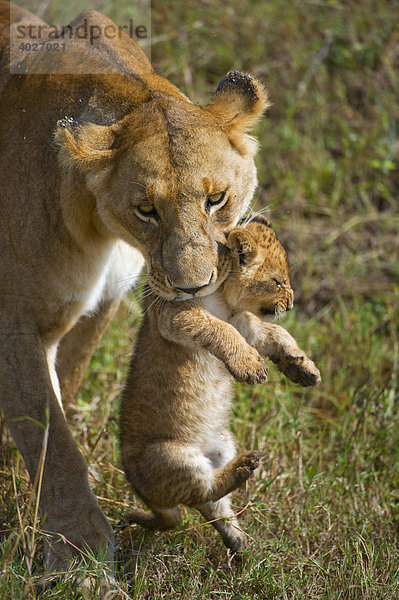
x,y
277,282
146,211
217,199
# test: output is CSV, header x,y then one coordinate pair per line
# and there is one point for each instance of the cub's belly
x,y
189,405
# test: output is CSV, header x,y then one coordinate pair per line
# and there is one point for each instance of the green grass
x,y
322,512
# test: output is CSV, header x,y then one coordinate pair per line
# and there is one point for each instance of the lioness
x,y
175,442
97,171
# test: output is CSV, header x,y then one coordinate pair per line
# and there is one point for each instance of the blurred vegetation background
x,y
322,513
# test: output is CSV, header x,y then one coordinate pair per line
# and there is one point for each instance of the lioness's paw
x,y
300,369
88,530
246,463
251,368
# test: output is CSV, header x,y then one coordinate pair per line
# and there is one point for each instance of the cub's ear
x,y
243,245
238,102
254,217
84,146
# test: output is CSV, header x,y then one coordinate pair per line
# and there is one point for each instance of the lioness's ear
x,y
84,145
243,245
239,101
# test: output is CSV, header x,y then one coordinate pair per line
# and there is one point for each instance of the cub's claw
x,y
252,369
300,369
258,376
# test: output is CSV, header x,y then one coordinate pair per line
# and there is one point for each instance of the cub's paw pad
x,y
247,462
300,369
236,543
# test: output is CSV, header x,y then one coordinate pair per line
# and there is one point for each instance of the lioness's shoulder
x,y
11,17
93,44
120,50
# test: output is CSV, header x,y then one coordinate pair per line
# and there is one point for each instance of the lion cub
x,y
175,442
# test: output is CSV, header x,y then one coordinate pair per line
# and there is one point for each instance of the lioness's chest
x,y
215,305
80,290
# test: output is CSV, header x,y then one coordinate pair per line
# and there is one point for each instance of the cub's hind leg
x,y
219,513
222,518
169,518
234,473
167,474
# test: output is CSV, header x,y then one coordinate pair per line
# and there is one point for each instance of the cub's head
x,y
171,177
259,280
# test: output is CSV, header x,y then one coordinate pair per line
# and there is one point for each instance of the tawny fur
x,y
176,447
81,157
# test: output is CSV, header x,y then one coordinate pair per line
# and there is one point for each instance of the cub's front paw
x,y
299,368
250,367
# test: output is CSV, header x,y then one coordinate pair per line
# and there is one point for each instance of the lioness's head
x,y
171,177
259,280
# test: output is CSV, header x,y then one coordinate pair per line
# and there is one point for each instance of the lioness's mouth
x,y
164,288
219,275
198,292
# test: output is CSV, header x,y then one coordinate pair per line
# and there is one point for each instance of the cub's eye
x,y
146,212
277,282
215,200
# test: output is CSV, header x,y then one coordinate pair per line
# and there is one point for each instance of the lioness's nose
x,y
191,290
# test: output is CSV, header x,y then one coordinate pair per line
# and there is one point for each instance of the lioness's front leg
x,y
77,346
189,324
67,505
276,343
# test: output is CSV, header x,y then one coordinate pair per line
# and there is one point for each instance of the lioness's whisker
x,y
140,296
253,214
132,277
138,183
143,294
152,303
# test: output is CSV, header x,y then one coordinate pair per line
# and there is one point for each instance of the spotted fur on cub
x,y
176,446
